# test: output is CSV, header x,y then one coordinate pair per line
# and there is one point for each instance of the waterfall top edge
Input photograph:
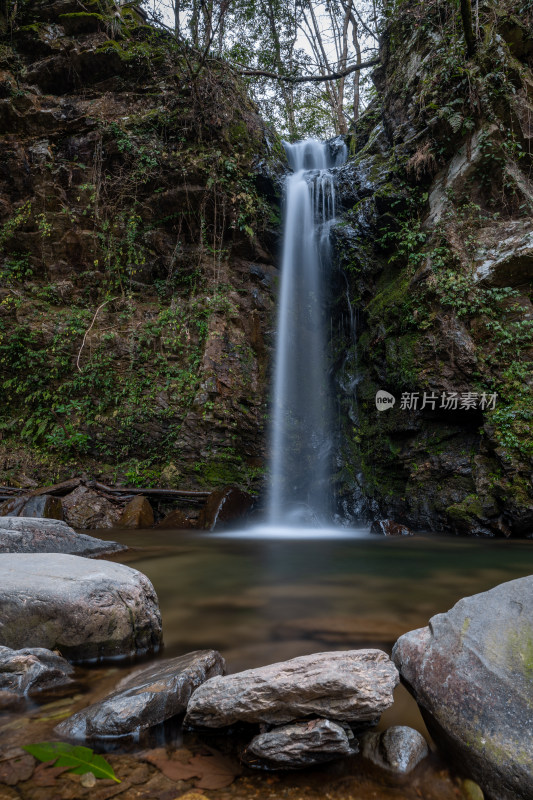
x,y
314,154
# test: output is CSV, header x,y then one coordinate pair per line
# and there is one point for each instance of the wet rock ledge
x,y
37,535
146,698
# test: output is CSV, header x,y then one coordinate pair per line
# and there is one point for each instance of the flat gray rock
x,y
146,698
32,670
39,535
398,749
471,671
88,610
351,685
301,744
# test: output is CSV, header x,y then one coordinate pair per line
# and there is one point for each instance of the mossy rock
x,y
400,355
83,22
516,34
471,673
467,511
388,306
47,11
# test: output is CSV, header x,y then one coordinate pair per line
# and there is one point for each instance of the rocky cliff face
x,y
137,219
436,246
135,274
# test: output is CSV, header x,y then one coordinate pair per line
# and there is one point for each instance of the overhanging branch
x,y
333,76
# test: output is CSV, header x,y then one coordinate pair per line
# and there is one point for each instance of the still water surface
x,y
261,598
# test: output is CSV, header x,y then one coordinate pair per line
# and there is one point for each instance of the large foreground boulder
x,y
301,744
146,698
85,609
32,670
471,672
350,686
34,535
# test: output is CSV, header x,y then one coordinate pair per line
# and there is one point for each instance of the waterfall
x,y
300,435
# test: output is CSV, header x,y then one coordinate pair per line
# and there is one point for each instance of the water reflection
x,y
261,598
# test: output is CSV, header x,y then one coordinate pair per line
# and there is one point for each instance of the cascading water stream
x,y
301,414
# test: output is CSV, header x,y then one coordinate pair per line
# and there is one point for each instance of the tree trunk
x,y
468,28
194,23
287,92
207,13
357,75
343,127
5,13
331,88
177,30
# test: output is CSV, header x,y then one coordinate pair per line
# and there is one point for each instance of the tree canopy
x,y
306,61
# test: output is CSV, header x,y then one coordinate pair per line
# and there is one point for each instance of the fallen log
x,y
155,492
58,488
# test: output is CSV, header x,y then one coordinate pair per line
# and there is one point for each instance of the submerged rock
x,y
177,520
31,535
351,686
301,744
146,698
32,670
138,513
398,749
85,609
471,671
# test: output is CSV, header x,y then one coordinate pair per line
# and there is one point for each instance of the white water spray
x,y
300,436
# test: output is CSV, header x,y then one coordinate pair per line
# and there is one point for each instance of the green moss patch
x,y
82,22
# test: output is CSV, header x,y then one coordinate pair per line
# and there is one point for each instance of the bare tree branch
x,y
334,76
110,300
363,24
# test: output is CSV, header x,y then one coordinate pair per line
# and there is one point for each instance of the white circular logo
x,y
384,400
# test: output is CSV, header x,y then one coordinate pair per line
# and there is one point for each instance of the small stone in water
x,y
398,749
471,791
192,796
88,780
300,744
